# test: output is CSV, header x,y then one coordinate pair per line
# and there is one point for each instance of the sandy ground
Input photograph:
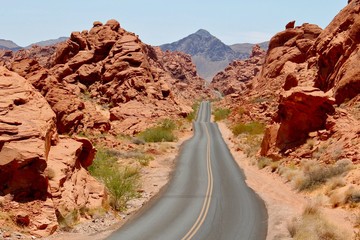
x,y
282,202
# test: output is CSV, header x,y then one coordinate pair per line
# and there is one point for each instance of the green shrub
x,y
161,133
120,182
221,113
251,128
168,124
158,134
191,116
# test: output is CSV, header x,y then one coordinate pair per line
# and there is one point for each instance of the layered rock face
x,y
38,170
115,69
337,50
238,76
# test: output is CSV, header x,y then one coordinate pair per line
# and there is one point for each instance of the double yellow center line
x,y
206,205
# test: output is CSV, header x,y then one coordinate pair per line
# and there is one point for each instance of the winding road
x,y
206,199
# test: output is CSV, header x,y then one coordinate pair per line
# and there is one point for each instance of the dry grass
x,y
313,226
335,183
315,174
263,162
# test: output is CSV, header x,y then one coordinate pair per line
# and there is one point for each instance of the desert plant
x,y
221,114
191,116
120,182
163,132
122,186
144,159
315,175
69,220
352,195
50,173
335,183
251,128
157,134
312,225
167,124
263,162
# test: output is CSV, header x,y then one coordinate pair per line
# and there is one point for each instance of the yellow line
x,y
206,205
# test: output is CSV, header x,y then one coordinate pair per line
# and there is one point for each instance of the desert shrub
x,y
50,173
144,159
352,195
164,132
68,221
251,128
157,134
335,183
312,226
137,141
263,162
192,116
221,114
168,124
315,174
120,182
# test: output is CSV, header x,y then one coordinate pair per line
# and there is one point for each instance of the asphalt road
x,y
206,199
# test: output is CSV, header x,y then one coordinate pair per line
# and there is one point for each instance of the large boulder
x,y
301,110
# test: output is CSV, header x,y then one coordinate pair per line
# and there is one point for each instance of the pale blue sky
x,y
162,21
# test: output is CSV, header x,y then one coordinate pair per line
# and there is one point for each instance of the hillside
x,y
246,48
8,45
49,42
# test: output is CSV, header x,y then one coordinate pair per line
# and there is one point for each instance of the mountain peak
x,y
203,32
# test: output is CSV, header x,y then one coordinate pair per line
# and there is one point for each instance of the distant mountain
x,y
49,42
246,48
208,53
8,45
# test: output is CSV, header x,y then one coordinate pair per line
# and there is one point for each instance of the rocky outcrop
x,y
111,67
306,72
43,177
238,76
324,59
301,110
337,50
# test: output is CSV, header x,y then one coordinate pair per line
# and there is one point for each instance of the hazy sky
x,y
162,21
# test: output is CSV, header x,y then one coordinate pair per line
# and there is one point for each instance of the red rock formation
x,y
238,75
301,110
300,58
42,176
112,67
337,50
